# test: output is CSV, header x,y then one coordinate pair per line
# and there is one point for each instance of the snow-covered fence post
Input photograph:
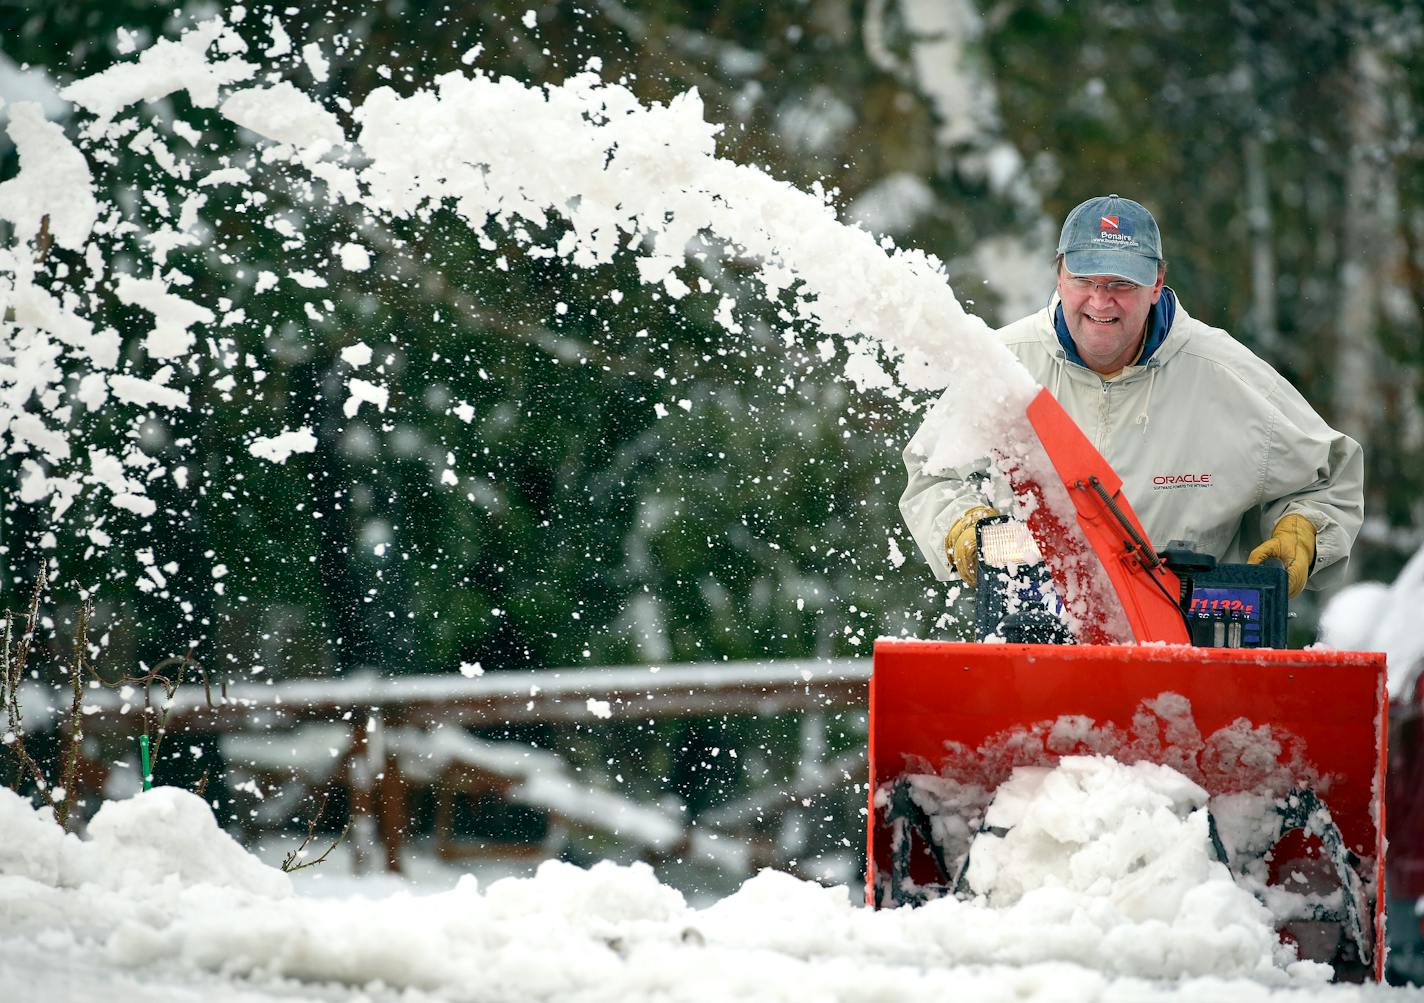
x,y
368,766
359,776
392,819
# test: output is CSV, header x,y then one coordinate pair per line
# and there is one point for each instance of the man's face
x,y
1107,325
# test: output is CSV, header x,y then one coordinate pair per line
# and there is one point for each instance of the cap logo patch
x,y
1116,232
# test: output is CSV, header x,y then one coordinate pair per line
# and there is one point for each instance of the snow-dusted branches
x,y
19,640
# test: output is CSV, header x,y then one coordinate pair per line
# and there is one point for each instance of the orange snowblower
x,y
1176,660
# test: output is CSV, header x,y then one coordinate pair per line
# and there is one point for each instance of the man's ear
x,y
1161,281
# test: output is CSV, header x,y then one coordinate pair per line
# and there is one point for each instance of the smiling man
x,y
1212,444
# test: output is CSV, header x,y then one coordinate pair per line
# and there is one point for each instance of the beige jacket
x,y
1212,445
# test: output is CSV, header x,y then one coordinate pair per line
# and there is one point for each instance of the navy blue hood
x,y
1159,323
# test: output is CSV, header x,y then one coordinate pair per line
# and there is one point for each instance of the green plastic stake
x,y
147,770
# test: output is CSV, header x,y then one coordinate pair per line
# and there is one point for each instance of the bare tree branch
x,y
76,717
293,860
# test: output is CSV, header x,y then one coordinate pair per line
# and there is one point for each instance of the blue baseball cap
x,y
1111,235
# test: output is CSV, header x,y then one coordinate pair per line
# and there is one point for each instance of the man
x,y
1212,444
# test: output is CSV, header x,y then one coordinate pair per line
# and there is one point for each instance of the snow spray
x,y
627,179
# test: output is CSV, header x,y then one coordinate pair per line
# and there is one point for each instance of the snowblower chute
x,y
1295,737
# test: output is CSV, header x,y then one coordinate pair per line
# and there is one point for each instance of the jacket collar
x,y
1159,326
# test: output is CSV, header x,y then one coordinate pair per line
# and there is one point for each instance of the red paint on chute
x,y
1147,589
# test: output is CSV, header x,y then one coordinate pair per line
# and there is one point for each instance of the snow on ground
x,y
156,903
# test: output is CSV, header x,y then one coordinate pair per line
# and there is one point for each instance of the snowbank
x,y
1371,616
1105,877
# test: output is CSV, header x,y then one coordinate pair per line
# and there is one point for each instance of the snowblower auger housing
x,y
1302,732
973,712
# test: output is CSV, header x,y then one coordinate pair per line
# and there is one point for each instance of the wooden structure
x,y
403,733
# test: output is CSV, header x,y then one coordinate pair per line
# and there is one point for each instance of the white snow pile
x,y
139,855
1251,767
1372,616
1104,879
1096,852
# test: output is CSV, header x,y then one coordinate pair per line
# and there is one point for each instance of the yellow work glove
x,y
961,543
1293,541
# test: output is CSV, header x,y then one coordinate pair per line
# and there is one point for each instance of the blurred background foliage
x,y
1276,141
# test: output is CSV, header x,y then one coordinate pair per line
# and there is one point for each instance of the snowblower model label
x,y
1239,605
1242,602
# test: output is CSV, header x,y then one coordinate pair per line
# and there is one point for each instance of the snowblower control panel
x,y
1224,605
1230,605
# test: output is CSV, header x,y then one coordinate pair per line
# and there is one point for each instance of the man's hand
x,y
961,543
1293,541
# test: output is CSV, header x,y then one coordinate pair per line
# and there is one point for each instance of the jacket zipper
x,y
1103,417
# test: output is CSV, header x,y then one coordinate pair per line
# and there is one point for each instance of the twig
x,y
170,689
290,864
14,657
15,660
76,717
43,240
12,702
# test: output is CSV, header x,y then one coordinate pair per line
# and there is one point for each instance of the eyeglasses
x,y
1117,287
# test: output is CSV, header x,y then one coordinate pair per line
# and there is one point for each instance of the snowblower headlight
x,y
1008,544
